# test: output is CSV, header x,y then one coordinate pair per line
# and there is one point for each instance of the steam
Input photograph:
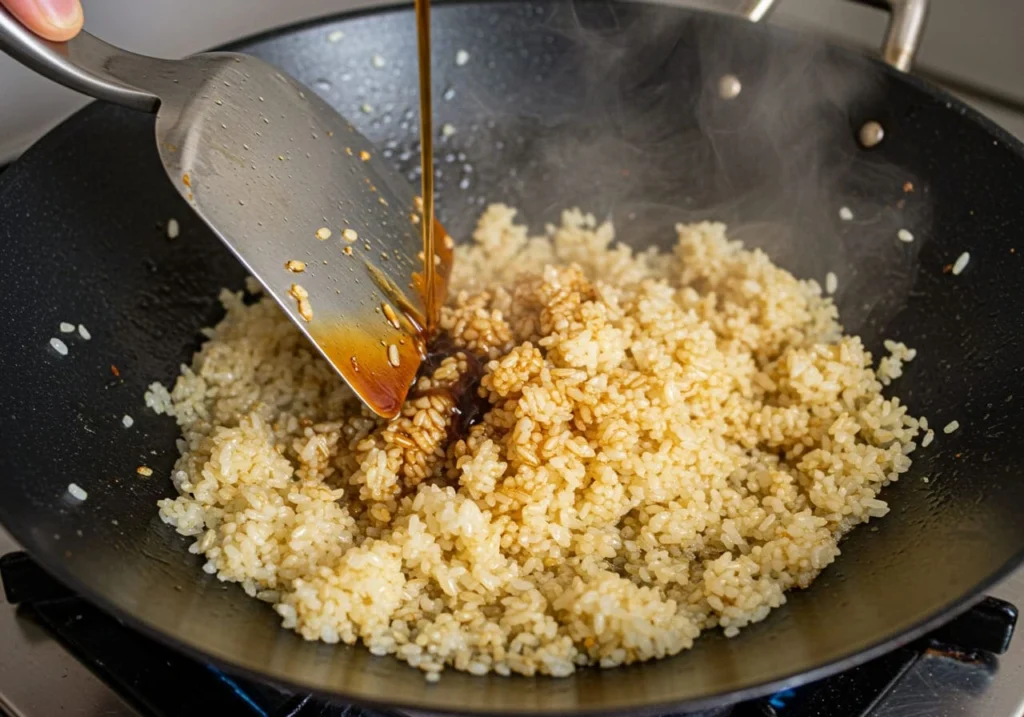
x,y
630,123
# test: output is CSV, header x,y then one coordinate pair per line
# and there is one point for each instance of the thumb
x,y
51,19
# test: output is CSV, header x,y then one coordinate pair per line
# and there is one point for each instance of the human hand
x,y
56,20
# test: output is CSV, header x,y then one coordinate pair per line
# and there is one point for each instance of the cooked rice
x,y
675,440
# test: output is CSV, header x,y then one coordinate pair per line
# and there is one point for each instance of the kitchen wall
x,y
977,45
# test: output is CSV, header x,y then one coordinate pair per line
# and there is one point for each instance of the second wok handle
x,y
902,38
85,64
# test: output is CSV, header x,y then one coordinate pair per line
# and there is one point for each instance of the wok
x,y
612,107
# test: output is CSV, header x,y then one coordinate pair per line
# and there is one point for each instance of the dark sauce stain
x,y
468,406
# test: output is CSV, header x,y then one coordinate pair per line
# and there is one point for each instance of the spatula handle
x,y
85,64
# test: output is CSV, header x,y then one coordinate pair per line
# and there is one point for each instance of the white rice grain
x,y
59,346
961,263
951,426
66,328
905,236
846,214
84,332
77,492
831,283
127,421
461,58
173,229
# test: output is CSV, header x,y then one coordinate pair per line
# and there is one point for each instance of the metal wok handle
x,y
85,64
902,38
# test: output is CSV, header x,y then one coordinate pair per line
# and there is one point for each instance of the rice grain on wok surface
x,y
674,441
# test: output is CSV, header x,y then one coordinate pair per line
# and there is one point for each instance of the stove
x,y
59,655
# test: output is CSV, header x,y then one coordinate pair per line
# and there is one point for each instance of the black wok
x,y
612,107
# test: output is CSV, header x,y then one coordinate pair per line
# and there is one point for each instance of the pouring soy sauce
x,y
432,344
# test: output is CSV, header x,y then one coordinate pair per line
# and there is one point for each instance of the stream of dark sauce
x,y
430,303
468,407
384,386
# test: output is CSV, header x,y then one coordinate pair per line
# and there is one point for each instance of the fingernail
x,y
61,13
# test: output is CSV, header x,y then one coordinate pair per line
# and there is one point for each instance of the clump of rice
x,y
890,367
674,441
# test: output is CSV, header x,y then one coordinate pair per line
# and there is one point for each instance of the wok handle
x,y
85,64
903,36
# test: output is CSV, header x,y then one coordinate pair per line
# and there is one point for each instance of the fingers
x,y
52,19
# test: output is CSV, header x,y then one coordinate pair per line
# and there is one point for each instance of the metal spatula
x,y
296,193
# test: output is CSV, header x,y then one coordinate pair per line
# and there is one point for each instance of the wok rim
x,y
918,629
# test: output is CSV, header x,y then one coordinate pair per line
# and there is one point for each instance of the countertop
x,y
974,46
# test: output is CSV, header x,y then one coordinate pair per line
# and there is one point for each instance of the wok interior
x,y
613,108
